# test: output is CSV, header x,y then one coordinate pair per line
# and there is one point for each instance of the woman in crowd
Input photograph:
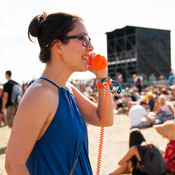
x,y
49,135
167,130
142,158
166,110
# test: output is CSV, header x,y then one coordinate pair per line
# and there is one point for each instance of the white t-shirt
x,y
136,115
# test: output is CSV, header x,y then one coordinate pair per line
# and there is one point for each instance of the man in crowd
x,y
6,99
139,116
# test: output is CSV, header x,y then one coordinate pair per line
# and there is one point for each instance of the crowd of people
x,y
153,105
51,119
155,101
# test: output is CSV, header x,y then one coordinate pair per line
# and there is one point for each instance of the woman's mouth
x,y
85,58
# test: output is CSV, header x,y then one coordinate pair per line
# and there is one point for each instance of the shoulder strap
x,y
49,81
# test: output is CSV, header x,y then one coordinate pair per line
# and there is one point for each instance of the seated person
x,y
166,111
139,116
167,130
142,158
156,103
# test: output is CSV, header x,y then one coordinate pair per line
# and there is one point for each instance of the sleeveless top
x,y
64,141
165,108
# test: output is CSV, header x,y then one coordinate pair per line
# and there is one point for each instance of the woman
x,y
49,135
167,130
142,158
166,111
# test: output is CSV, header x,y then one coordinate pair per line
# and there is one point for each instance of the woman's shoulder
x,y
41,90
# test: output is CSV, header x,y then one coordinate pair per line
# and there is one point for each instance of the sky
x,y
20,55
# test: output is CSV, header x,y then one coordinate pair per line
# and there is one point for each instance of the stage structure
x,y
138,50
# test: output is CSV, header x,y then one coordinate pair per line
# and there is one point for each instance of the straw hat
x,y
166,129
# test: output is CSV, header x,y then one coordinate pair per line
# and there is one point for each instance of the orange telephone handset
x,y
99,62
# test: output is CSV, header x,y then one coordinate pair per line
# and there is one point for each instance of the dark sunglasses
x,y
83,37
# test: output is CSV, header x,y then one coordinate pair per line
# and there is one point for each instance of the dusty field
x,y
114,147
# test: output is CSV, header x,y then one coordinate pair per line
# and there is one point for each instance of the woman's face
x,y
162,101
74,53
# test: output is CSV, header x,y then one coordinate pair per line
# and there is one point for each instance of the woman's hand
x,y
100,73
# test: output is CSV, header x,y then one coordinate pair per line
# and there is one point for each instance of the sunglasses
x,y
83,37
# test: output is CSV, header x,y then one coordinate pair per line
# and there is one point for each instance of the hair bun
x,y
35,25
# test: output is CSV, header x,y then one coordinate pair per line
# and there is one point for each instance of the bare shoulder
x,y
40,95
40,90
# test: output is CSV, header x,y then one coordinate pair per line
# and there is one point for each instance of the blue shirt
x,y
65,139
170,79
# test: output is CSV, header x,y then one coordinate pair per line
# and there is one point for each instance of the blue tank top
x,y
64,140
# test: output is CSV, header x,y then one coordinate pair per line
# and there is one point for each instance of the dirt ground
x,y
114,147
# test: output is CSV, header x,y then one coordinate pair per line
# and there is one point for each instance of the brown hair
x,y
47,28
9,73
135,139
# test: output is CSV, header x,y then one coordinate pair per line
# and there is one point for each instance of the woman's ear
x,y
57,46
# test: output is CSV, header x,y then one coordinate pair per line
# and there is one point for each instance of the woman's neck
x,y
58,74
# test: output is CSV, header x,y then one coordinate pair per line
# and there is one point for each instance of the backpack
x,y
16,94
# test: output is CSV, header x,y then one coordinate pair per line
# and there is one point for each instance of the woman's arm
x,y
132,152
32,113
92,112
172,115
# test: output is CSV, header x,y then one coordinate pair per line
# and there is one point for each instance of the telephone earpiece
x,y
99,62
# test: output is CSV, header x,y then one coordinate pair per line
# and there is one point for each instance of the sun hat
x,y
166,129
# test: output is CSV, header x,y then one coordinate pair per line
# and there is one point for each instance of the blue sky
x,y
18,54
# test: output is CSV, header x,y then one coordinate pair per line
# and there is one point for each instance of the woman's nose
x,y
90,47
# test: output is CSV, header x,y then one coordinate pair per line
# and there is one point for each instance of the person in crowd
x,y
139,116
119,77
6,99
118,103
167,130
171,79
166,111
172,94
138,82
49,135
150,96
156,103
133,97
145,81
2,116
142,158
136,93
161,77
152,78
24,87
